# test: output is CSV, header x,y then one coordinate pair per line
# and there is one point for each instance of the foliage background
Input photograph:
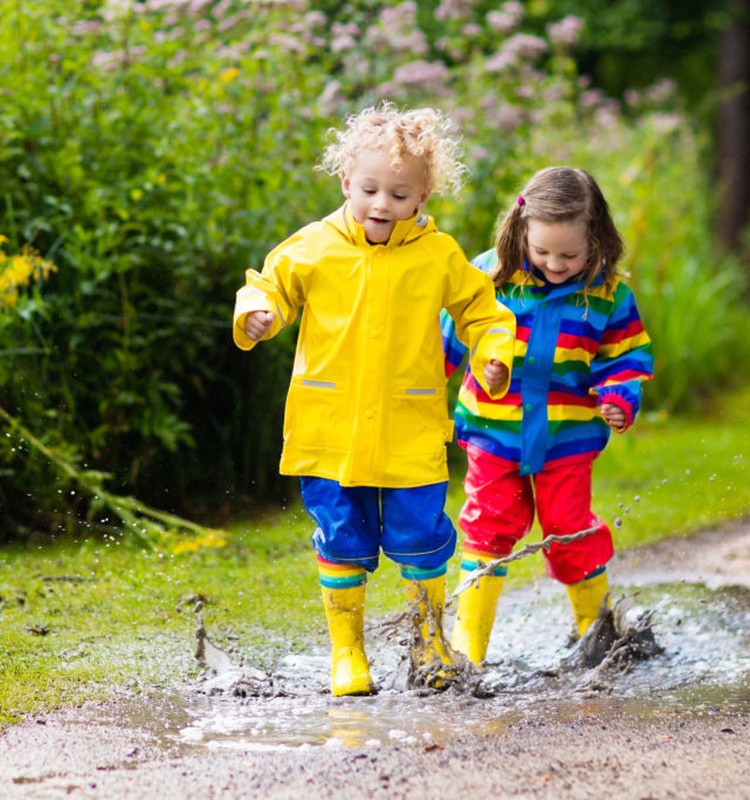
x,y
154,150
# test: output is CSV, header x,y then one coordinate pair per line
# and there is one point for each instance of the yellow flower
x,y
18,272
211,538
229,75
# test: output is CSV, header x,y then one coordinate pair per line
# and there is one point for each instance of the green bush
x,y
154,150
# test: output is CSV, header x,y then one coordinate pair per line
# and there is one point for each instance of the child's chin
x,y
378,237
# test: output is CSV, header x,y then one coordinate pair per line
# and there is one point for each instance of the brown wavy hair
x,y
560,194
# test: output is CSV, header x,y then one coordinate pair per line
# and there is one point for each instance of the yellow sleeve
x,y
278,288
483,323
255,295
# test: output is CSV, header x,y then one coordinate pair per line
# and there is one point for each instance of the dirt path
x,y
613,740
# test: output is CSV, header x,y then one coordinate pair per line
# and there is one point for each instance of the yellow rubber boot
x,y
586,597
345,614
476,616
430,654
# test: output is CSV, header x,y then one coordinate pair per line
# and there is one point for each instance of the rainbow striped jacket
x,y
573,351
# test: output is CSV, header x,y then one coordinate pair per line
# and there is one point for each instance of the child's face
x,y
381,196
559,250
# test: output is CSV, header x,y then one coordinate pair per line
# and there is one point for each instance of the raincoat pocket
x,y
318,414
420,422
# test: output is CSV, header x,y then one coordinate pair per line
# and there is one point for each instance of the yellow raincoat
x,y
367,403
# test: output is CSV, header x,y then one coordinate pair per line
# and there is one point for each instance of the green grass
x,y
79,617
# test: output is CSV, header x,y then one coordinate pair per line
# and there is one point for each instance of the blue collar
x,y
553,290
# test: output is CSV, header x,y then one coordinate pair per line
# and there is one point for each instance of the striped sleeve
x,y
624,358
453,349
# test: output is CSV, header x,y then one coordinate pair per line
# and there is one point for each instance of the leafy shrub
x,y
156,149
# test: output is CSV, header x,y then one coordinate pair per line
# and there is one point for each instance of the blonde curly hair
x,y
424,133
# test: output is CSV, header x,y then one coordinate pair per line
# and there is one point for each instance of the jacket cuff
x,y
616,400
250,299
497,346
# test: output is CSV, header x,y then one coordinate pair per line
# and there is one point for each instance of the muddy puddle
x,y
695,600
696,663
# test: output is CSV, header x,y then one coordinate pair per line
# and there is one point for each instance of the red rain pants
x,y
500,505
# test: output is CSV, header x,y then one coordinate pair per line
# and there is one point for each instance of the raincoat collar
x,y
552,290
405,230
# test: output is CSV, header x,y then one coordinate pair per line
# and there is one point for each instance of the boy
x,y
366,422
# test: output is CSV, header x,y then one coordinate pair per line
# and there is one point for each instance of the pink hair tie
x,y
521,201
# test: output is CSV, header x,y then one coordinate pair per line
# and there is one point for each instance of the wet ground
x,y
666,721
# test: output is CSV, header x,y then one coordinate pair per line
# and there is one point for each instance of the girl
x,y
366,422
580,357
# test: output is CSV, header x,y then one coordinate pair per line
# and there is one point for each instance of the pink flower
x,y
348,29
471,29
84,27
661,91
422,73
590,98
666,123
400,15
288,43
315,19
566,32
507,19
518,48
632,97
454,9
499,61
106,60
429,77
331,98
221,8
606,117
505,117
343,43
552,93
525,46
229,22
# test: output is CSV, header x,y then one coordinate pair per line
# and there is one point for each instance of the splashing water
x,y
664,646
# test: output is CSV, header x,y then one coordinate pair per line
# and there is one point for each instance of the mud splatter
x,y
664,645
613,642
223,675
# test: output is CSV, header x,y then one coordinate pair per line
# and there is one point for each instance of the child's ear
x,y
345,185
423,198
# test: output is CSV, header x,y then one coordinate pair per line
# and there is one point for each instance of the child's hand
x,y
257,324
495,374
613,415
